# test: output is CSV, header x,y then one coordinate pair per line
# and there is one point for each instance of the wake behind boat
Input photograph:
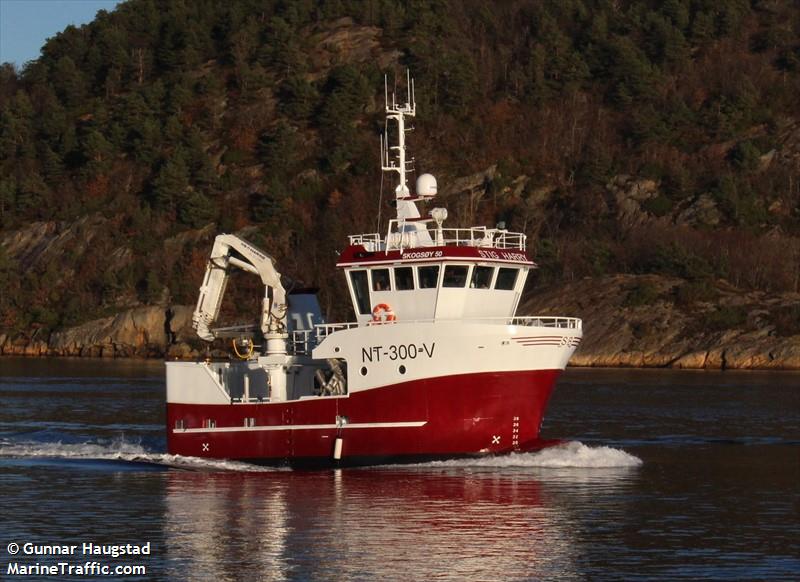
x,y
435,365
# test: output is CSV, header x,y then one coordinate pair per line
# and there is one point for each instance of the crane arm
x,y
253,260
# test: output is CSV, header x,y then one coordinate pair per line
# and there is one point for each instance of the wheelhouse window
x,y
455,276
380,280
358,279
481,277
403,278
428,276
506,278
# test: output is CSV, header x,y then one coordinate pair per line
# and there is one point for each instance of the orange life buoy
x,y
381,310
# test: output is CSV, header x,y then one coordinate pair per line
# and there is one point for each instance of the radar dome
x,y
426,185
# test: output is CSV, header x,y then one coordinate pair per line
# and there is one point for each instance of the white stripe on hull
x,y
413,424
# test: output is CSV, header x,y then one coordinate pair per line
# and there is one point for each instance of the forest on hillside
x,y
621,136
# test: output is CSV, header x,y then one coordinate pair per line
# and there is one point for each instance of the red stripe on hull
x,y
468,414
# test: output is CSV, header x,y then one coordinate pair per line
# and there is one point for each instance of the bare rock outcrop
x,y
628,196
48,242
703,211
474,184
344,41
151,331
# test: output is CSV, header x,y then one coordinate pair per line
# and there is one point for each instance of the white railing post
x,y
472,236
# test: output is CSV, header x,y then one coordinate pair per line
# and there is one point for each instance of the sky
x,y
26,24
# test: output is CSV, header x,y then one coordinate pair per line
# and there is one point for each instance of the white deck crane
x,y
282,369
231,251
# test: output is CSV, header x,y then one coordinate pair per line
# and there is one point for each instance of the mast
x,y
398,112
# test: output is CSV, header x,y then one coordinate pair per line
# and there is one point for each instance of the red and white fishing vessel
x,y
436,364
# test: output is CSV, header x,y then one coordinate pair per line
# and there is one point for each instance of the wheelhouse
x,y
446,285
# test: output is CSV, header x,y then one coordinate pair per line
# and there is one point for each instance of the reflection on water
x,y
410,523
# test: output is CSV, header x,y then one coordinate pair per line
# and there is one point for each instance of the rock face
x,y
343,41
43,242
628,196
653,321
474,185
152,331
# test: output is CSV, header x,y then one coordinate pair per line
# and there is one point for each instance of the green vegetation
x,y
659,206
787,320
723,318
643,293
696,291
131,134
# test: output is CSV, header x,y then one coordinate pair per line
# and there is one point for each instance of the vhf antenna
x,y
398,113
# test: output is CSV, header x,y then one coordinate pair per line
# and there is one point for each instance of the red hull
x,y
440,417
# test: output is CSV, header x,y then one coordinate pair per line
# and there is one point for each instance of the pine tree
x,y
31,194
8,190
196,210
52,165
69,82
171,183
298,97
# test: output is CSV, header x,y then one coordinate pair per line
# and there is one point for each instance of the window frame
x,y
497,278
372,281
456,266
413,282
475,269
435,285
361,303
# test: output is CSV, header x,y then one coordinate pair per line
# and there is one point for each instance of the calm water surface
x,y
671,475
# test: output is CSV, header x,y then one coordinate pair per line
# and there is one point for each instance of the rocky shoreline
x,y
651,321
142,332
640,321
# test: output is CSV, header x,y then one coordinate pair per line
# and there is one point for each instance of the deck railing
x,y
400,237
547,321
301,342
325,329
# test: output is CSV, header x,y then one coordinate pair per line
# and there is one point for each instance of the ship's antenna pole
x,y
398,112
401,151
380,206
383,153
408,86
380,194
